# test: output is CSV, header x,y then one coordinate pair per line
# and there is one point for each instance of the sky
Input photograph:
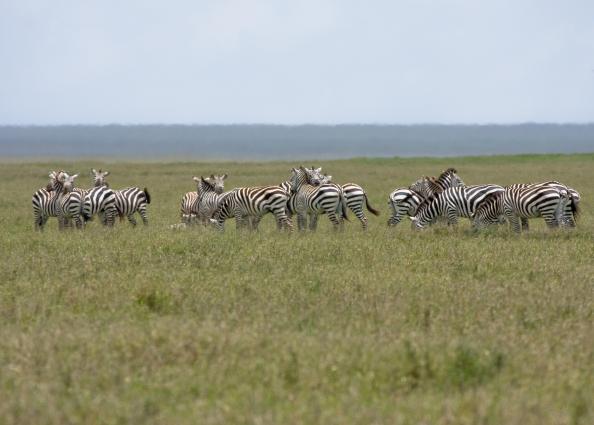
x,y
295,62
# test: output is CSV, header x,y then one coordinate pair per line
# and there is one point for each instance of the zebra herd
x,y
446,197
70,204
307,194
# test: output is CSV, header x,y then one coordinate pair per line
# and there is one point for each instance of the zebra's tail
x,y
147,195
369,207
575,207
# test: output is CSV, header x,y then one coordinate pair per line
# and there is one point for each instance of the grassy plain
x,y
392,326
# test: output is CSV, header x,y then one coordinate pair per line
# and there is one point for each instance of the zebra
x,y
131,200
52,202
69,201
210,195
354,194
453,203
313,200
100,200
522,201
430,186
405,201
253,202
44,203
190,201
128,200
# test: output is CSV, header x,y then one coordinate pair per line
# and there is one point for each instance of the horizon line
x,y
306,124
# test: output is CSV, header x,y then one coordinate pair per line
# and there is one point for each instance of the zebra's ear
x,y
93,171
106,174
196,179
74,176
212,177
329,178
317,170
225,176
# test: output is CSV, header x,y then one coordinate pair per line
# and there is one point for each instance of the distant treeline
x,y
267,142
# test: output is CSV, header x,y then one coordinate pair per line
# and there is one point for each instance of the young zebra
x,y
453,203
313,200
253,202
354,194
100,200
520,202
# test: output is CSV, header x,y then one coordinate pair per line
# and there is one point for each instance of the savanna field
x,y
392,326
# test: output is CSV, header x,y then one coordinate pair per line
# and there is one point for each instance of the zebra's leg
x,y
313,221
452,217
525,225
301,220
394,220
358,211
255,222
514,222
131,219
551,221
143,215
334,220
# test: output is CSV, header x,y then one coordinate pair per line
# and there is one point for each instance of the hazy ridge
x,y
270,142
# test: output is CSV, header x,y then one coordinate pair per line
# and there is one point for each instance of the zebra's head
x,y
450,178
423,187
218,183
325,179
99,177
297,179
490,211
68,182
314,175
424,215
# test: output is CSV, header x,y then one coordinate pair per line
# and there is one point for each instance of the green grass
x,y
156,326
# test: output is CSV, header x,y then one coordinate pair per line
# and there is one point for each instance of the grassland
x,y
392,326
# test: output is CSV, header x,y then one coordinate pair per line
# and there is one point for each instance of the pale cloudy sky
x,y
291,62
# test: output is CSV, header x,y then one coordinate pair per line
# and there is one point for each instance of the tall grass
x,y
152,325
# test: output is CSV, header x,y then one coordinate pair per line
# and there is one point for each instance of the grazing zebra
x,y
100,200
354,194
521,201
253,202
403,202
453,203
313,200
